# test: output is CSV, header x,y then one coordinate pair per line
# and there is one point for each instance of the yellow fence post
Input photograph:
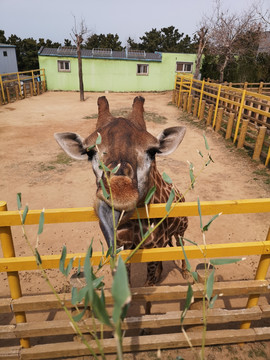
x,y
262,269
43,81
239,115
189,106
13,276
174,90
180,93
8,95
243,133
259,143
19,84
210,114
33,79
195,108
219,119
267,157
201,96
201,114
185,101
2,90
217,103
229,126
190,89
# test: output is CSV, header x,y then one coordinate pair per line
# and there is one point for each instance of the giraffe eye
x,y
152,152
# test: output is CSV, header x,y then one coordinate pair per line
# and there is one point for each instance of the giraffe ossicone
x,y
130,150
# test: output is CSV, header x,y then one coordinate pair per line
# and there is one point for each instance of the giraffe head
x,y
127,148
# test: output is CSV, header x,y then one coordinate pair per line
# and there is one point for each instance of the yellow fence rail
x,y
19,85
260,87
239,113
12,264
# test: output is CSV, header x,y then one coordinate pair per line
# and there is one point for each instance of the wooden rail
x,y
217,102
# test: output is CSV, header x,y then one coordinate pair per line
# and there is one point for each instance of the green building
x,y
107,70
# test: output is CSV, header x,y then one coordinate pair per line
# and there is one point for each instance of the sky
x,y
54,19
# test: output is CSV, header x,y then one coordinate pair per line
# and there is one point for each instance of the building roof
x,y
7,45
70,51
264,45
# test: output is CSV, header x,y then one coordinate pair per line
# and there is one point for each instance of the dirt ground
x,y
32,163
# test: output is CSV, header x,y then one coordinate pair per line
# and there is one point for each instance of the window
x,y
63,65
4,53
184,67
142,69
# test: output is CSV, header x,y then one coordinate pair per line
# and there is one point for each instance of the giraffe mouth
x,y
125,195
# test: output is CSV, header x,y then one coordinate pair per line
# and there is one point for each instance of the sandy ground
x,y
32,163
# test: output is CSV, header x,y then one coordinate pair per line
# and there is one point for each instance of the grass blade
x,y
200,213
38,257
206,227
166,178
120,290
149,195
62,260
25,212
41,222
205,141
210,284
189,300
224,261
19,200
212,302
105,194
186,259
170,200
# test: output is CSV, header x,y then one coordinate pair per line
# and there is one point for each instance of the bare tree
x,y
231,34
263,13
203,38
78,36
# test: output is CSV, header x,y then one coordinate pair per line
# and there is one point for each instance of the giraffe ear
x,y
72,144
170,139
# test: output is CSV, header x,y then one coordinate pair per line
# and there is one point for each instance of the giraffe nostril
x,y
124,169
127,170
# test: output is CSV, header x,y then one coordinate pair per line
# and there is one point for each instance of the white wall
x,y
8,63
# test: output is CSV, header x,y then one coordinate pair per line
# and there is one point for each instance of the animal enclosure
x,y
238,113
15,86
168,323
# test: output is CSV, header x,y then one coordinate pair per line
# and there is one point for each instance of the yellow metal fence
x,y
240,114
19,85
12,264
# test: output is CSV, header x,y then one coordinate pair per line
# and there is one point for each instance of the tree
x,y
152,41
67,42
230,34
3,39
108,41
78,35
203,38
166,40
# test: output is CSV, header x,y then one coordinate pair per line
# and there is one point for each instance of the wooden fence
x,y
261,87
15,86
239,114
165,326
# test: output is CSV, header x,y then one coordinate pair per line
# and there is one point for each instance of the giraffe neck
x,y
163,189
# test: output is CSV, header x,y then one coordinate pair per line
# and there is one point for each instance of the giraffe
x,y
129,148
